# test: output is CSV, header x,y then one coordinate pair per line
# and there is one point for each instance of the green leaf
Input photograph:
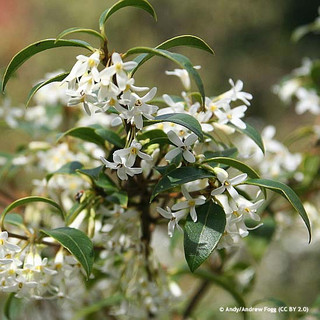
x,y
253,134
179,176
182,61
68,168
84,133
111,137
93,173
141,4
35,48
119,197
24,201
12,307
97,306
183,119
41,84
80,30
201,237
151,137
14,219
231,152
235,164
183,40
287,193
77,242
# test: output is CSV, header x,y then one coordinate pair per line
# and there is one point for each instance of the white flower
x,y
80,96
119,69
138,107
227,184
130,154
233,116
10,114
122,169
183,75
308,101
182,146
174,107
235,93
83,65
174,218
6,246
190,203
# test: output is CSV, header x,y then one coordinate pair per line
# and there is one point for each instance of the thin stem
x,y
195,299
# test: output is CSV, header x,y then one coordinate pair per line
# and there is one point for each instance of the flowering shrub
x,y
127,162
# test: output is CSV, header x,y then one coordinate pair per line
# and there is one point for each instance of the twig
x,y
195,299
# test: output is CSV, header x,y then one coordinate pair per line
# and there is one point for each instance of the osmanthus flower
x,y
174,106
202,117
83,65
80,96
129,154
227,184
182,147
235,93
189,204
232,115
120,165
308,100
7,247
119,69
183,75
137,107
174,218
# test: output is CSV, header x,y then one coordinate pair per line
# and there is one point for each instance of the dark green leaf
x,y
183,40
35,48
179,59
287,193
41,84
119,197
141,4
77,242
111,137
179,176
106,183
253,134
183,119
68,168
235,164
93,173
80,30
84,133
231,152
24,201
201,237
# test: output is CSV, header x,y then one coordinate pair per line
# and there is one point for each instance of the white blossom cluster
x,y
24,272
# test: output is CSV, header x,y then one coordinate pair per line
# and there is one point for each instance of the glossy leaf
x,y
93,173
80,30
183,119
235,164
68,168
111,137
253,134
27,200
182,61
141,4
287,193
77,242
35,48
119,197
202,237
84,133
183,40
37,87
178,177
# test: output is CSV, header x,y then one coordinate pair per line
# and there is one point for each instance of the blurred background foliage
x,y
252,42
